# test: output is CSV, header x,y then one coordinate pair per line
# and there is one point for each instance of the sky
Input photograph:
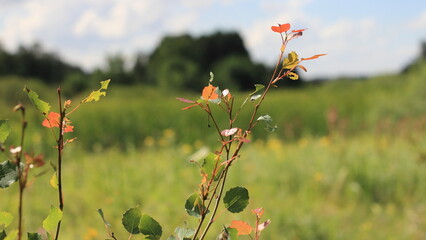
x,y
361,38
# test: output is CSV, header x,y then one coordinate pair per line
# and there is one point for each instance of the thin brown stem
x,y
60,146
21,177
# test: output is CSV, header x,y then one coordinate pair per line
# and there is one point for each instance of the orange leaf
x,y
242,227
281,28
209,93
52,120
302,67
313,57
299,30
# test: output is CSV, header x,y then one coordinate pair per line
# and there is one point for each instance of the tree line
x,y
178,62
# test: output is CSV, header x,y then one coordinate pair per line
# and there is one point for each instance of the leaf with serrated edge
x,y
4,130
96,95
41,105
51,221
5,218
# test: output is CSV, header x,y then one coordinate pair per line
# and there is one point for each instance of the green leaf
x,y
54,181
52,220
34,236
291,61
3,235
211,162
228,234
104,84
96,95
41,105
236,199
184,232
8,174
5,218
172,238
103,218
131,220
12,235
150,228
4,130
268,120
194,205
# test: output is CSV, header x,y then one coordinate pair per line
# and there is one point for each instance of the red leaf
x,y
302,67
313,57
52,120
185,100
281,28
299,30
209,93
242,227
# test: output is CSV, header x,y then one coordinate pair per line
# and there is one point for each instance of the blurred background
x,y
347,161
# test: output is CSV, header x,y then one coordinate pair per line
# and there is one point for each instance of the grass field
x,y
348,160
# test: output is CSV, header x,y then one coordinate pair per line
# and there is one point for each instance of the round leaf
x,y
131,220
236,199
150,228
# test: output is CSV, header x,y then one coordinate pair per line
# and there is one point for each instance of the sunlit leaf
x,y
265,118
5,218
8,174
149,227
258,211
291,61
53,120
210,163
52,220
96,95
293,76
236,199
242,227
131,220
40,105
12,235
281,28
210,93
54,181
4,130
228,234
313,57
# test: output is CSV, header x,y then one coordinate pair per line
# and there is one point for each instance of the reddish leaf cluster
x,y
52,120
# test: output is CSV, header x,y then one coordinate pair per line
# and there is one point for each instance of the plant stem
x,y
60,145
21,177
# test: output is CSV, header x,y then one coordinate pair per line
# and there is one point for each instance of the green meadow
x,y
348,159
